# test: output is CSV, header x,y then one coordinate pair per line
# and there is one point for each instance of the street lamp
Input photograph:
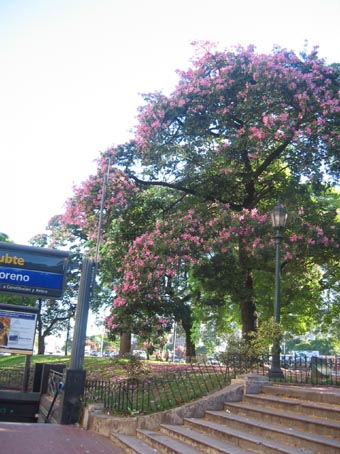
x,y
279,218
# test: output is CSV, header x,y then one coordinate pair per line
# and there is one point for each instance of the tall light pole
x,y
279,218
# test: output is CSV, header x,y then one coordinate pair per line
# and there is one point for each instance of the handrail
x,y
60,388
54,378
55,387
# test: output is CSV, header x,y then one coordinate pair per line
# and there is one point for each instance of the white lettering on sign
x,y
14,277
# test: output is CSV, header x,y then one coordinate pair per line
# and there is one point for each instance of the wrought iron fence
x,y
315,370
181,383
13,377
171,386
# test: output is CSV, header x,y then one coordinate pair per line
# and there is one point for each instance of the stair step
x,y
202,441
161,441
287,435
133,445
326,411
301,422
283,419
251,441
320,395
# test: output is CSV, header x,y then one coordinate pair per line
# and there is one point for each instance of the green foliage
x,y
325,346
4,237
186,235
202,350
268,333
257,343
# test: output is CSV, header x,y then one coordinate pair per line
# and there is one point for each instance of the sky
x,y
72,73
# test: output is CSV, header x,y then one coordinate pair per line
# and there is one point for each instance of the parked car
x,y
211,360
114,354
106,354
141,354
94,353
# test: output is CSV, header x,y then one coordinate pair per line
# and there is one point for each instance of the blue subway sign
x,y
32,271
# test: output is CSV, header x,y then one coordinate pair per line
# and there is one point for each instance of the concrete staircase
x,y
281,419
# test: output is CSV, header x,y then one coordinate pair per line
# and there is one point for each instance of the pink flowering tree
x,y
241,130
128,212
186,214
157,264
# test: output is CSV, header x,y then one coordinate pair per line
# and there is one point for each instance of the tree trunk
x,y
41,345
190,346
125,344
249,315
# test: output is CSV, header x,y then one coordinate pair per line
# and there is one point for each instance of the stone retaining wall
x,y
95,420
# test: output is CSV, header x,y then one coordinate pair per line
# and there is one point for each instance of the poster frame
x,y
26,316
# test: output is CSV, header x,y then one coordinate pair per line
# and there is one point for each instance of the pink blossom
x,y
119,301
288,256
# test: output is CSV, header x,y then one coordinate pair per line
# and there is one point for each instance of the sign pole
x,y
79,335
75,375
26,373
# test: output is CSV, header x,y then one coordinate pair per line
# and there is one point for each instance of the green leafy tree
x,y
240,130
4,237
194,188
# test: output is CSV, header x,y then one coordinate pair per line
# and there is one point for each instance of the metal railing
x,y
315,370
172,386
13,377
177,384
169,385
54,388
55,382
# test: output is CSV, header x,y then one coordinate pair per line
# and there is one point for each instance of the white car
x,y
141,354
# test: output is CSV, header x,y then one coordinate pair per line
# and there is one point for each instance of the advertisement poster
x,y
17,329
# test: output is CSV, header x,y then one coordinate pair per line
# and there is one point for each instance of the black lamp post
x,y
279,219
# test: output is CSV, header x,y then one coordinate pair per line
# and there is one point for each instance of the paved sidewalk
x,y
23,438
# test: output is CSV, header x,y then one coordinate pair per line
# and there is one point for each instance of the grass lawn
x,y
90,363
20,360
167,384
96,368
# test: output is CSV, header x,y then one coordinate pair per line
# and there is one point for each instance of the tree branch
x,y
187,191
